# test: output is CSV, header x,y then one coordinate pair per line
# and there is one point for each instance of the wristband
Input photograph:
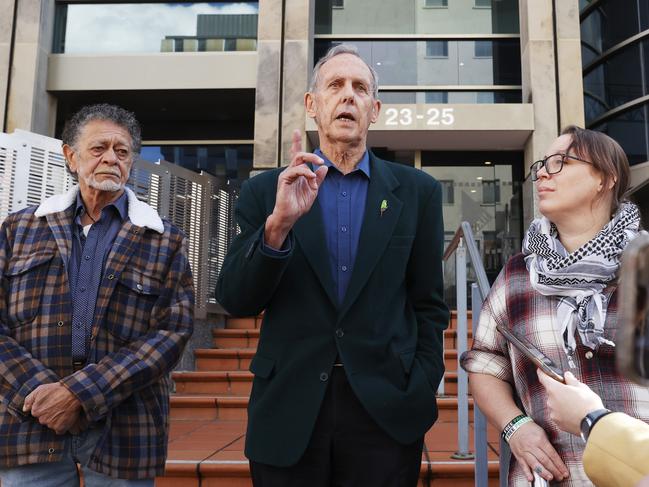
x,y
511,427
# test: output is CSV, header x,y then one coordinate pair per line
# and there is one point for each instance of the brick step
x,y
238,359
450,339
213,450
233,408
213,382
236,473
453,321
243,323
210,359
208,407
254,322
235,338
249,338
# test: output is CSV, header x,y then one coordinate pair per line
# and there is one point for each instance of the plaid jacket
x,y
143,318
514,303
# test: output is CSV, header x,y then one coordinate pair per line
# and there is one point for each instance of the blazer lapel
x,y
377,228
309,231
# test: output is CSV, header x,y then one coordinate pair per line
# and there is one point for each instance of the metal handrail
x,y
462,242
464,230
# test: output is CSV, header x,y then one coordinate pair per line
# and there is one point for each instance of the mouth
x,y
544,190
346,117
105,173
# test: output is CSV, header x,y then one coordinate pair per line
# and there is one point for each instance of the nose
x,y
542,173
348,92
110,156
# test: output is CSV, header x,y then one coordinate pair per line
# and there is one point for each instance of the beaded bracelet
x,y
511,427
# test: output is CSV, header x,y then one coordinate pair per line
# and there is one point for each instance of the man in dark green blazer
x,y
346,262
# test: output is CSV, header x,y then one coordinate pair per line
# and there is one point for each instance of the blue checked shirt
x,y
86,266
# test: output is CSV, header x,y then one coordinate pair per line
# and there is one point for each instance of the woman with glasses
x,y
559,294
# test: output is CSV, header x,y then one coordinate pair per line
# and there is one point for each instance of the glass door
x,y
488,196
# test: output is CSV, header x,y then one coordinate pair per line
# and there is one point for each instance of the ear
x,y
71,157
309,104
612,183
376,110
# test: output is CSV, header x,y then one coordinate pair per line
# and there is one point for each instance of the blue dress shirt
x,y
86,266
342,202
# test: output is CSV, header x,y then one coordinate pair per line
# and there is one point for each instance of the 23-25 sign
x,y
406,116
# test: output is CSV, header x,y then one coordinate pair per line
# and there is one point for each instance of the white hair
x,y
336,51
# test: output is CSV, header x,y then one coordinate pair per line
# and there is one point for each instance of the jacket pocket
x,y
26,276
131,306
407,357
261,366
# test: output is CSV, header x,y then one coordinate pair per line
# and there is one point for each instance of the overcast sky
x,y
137,27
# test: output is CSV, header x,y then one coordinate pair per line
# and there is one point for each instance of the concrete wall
x,y
29,105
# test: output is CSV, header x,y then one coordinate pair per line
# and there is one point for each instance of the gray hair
x,y
102,111
336,51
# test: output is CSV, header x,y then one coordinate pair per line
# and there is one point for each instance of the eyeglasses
x,y
553,164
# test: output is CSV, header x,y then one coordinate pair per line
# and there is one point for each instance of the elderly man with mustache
x,y
96,305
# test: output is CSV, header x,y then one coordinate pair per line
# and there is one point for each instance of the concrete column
x,y
267,96
6,29
539,85
571,85
29,105
298,59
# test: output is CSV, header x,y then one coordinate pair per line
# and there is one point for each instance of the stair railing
x,y
463,241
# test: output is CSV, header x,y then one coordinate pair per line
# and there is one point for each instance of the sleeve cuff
x,y
88,394
271,252
15,406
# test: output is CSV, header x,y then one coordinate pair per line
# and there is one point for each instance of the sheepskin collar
x,y
139,213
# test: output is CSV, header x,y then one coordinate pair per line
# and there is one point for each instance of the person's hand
x,y
297,189
568,403
54,406
533,450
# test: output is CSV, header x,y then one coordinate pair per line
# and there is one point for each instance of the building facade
x,y
473,91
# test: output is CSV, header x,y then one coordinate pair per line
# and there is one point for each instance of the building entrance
x,y
488,196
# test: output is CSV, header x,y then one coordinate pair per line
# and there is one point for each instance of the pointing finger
x,y
296,146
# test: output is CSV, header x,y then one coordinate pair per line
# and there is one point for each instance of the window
x,y
448,197
437,97
436,48
483,3
436,3
490,191
483,49
338,3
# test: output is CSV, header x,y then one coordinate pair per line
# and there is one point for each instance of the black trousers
x,y
347,449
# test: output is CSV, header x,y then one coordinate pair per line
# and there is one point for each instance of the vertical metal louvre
x,y
32,168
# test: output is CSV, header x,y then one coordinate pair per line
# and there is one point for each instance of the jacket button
x,y
324,377
340,333
588,355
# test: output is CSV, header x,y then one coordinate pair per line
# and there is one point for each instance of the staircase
x,y
208,418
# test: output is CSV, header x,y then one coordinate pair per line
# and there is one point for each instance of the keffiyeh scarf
x,y
579,278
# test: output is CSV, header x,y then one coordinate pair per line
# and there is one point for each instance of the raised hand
x,y
533,450
297,189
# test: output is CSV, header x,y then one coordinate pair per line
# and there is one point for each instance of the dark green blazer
x,y
388,330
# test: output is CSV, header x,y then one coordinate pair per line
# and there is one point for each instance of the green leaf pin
x,y
384,206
